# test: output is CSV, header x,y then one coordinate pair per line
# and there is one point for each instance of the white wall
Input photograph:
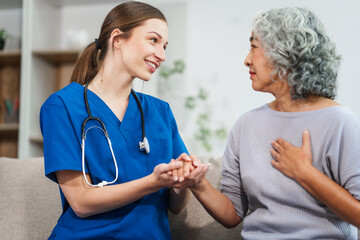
x,y
212,37
10,19
218,41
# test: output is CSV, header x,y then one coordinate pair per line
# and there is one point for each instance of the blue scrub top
x,y
61,117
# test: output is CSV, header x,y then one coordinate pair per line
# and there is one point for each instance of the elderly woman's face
x,y
259,66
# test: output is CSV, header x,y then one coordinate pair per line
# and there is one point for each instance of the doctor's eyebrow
x,y
158,35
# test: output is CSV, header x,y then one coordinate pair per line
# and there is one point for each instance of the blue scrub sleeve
x,y
62,148
178,144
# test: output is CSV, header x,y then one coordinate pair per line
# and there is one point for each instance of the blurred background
x,y
204,78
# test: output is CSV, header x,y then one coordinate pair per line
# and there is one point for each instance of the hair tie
x,y
98,47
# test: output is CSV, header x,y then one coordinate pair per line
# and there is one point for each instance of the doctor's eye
x,y
154,39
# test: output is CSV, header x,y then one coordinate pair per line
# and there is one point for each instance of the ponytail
x,y
87,65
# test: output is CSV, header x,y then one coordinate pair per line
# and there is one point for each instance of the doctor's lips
x,y
153,66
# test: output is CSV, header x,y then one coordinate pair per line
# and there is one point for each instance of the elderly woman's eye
x,y
252,47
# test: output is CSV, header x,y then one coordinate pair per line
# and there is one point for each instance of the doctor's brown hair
x,y
125,17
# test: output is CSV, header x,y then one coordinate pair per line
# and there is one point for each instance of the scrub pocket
x,y
160,150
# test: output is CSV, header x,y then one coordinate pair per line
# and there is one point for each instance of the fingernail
x,y
306,131
181,179
188,158
175,178
196,164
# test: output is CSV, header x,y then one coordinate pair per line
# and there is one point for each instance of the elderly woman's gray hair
x,y
295,41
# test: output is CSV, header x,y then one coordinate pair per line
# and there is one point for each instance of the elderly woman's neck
x,y
286,104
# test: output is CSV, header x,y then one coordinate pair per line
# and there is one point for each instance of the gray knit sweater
x,y
277,206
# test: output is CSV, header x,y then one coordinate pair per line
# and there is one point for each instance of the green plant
x,y
4,34
204,133
178,67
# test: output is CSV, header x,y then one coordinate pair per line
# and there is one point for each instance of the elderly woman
x,y
280,190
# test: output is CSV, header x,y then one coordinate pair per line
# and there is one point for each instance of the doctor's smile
x,y
151,65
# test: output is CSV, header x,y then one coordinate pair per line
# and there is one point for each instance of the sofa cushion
x,y
29,203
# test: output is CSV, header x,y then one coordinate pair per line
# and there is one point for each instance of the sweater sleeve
x,y
344,156
231,185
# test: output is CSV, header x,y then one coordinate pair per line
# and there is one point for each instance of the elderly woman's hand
x,y
191,173
291,160
187,167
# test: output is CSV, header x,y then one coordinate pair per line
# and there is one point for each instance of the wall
x,y
213,38
218,41
10,19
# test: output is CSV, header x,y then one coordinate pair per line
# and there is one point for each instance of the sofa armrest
x,y
29,203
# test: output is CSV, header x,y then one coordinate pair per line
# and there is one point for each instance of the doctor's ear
x,y
117,37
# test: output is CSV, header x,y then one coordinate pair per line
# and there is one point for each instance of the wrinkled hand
x,y
188,165
195,176
192,171
291,160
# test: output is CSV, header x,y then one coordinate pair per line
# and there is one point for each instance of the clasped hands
x,y
183,172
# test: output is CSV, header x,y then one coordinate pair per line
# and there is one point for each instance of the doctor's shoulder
x,y
59,97
153,102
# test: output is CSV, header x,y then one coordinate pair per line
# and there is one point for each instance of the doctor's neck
x,y
111,82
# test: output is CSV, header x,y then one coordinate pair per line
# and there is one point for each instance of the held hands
x,y
291,160
191,173
185,171
188,165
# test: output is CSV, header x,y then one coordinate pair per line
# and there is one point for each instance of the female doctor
x,y
118,188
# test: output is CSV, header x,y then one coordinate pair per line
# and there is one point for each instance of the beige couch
x,y
30,205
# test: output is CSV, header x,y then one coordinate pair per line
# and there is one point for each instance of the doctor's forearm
x,y
87,201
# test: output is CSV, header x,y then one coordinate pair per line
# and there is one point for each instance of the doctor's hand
x,y
197,172
291,160
160,177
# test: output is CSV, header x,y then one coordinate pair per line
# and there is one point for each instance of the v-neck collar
x,y
131,114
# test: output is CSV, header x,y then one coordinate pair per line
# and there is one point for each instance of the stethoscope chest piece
x,y
144,145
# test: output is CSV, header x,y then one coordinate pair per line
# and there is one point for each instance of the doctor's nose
x,y
160,54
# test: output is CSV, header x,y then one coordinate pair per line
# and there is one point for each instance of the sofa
x,y
30,205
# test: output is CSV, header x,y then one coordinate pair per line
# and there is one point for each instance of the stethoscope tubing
x,y
103,183
144,145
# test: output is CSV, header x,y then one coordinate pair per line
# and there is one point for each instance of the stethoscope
x,y
143,145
